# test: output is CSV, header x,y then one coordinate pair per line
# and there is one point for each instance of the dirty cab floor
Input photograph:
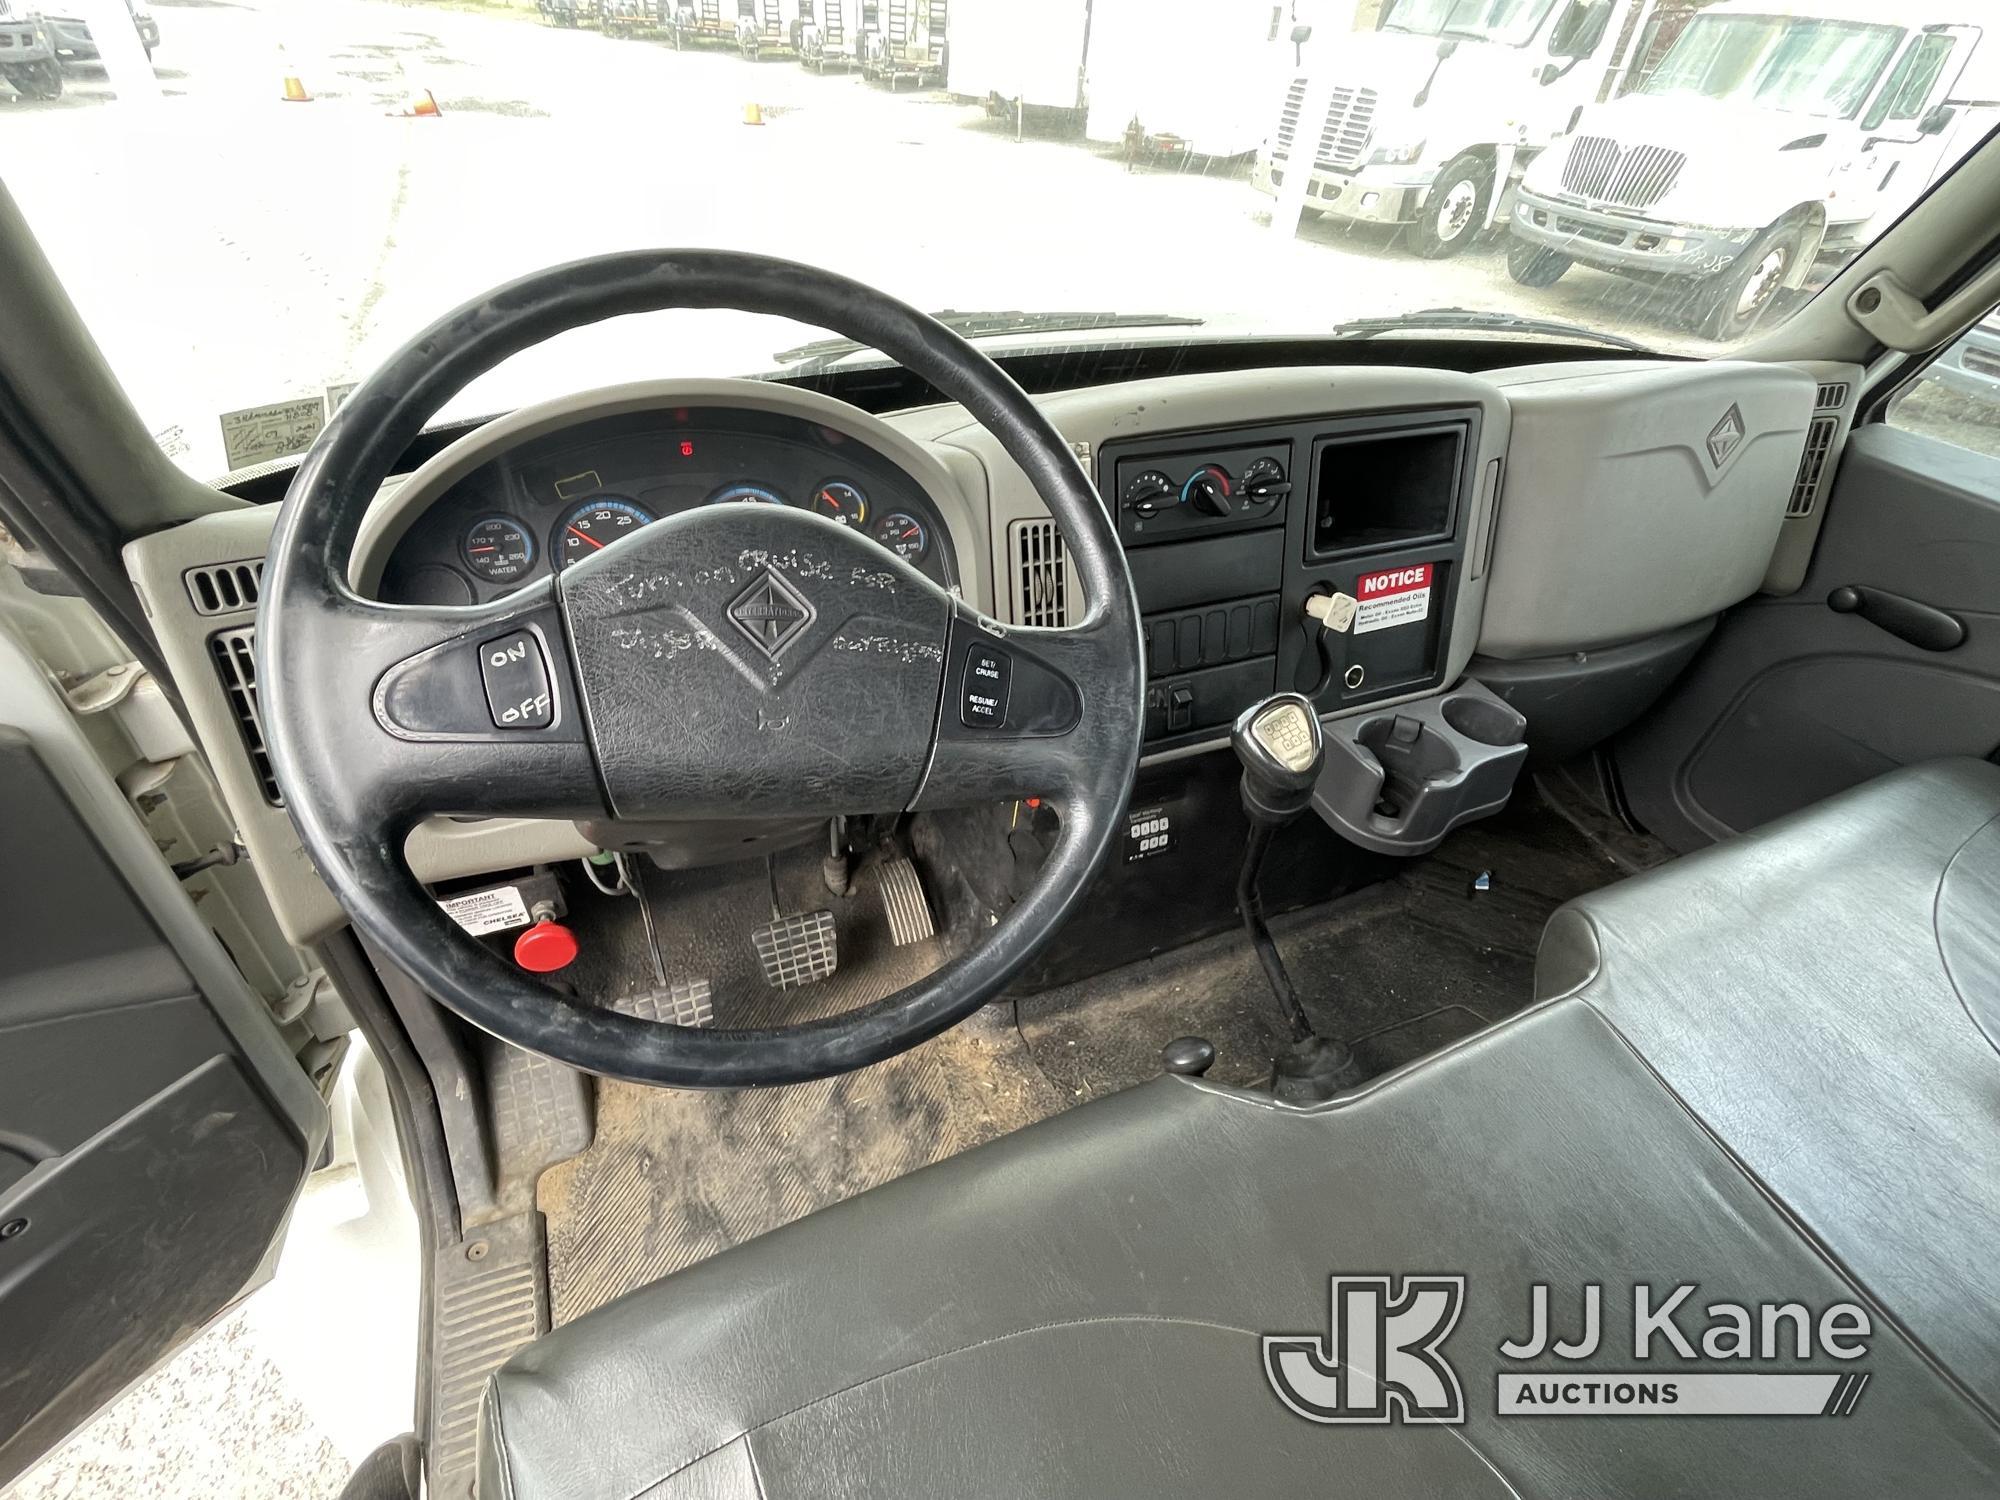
x,y
1400,968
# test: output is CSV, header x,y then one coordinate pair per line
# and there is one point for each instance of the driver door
x,y
1910,132
155,1125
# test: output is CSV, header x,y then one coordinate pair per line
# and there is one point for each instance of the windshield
x,y
1510,22
254,203
1797,66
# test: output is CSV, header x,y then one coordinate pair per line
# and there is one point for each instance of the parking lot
x,y
230,248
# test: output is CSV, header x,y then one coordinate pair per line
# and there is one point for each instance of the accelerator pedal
x,y
903,899
800,949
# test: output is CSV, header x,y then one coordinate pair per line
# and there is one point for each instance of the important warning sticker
x,y
494,909
1395,596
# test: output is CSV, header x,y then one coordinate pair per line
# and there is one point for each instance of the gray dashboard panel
x,y
1640,497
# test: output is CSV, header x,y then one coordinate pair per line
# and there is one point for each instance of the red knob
x,y
545,947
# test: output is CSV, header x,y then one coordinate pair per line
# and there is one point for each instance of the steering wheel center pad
x,y
748,660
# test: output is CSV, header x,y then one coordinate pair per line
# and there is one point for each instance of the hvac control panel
x,y
1198,491
1228,534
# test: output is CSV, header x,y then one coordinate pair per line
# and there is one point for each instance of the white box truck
x,y
1025,54
1767,133
1185,76
1181,76
1430,117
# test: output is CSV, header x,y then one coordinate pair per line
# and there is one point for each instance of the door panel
x,y
1793,700
154,1129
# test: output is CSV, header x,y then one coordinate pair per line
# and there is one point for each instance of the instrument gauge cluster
x,y
569,495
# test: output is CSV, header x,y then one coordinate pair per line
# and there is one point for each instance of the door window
x,y
1904,96
1957,399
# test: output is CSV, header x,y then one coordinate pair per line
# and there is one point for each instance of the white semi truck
x,y
1767,134
1429,118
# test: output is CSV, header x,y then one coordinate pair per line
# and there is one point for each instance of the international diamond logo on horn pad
x,y
771,613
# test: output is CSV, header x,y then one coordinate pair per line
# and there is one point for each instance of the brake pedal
x,y
685,1002
799,949
903,899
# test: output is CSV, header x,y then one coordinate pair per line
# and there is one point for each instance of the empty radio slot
x,y
1380,489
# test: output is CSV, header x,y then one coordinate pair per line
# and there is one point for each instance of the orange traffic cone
x,y
753,114
423,106
295,91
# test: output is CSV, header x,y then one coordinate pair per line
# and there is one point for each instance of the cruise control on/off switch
x,y
517,682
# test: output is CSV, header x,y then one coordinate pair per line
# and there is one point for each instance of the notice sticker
x,y
1395,596
495,909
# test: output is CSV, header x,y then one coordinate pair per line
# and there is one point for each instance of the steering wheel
x,y
740,660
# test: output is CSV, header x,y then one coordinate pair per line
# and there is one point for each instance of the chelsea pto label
x,y
1392,597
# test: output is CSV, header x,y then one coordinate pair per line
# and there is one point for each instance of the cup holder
x,y
1399,780
1487,720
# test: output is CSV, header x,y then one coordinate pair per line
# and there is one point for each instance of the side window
x,y
1909,86
1958,397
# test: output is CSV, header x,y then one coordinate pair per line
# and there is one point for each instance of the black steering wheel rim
x,y
319,643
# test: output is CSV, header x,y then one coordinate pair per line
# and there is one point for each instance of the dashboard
x,y
1238,495
539,506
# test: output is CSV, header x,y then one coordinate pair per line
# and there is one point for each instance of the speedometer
x,y
593,525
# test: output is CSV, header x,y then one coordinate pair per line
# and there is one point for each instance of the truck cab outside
x,y
1428,118
1849,119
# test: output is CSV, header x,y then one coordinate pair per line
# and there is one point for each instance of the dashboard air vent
x,y
235,653
1832,396
1040,572
224,588
1812,468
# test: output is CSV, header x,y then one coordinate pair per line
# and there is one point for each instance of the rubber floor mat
x,y
1401,968
676,1176
1410,964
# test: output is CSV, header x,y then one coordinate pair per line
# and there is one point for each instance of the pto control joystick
x,y
1281,747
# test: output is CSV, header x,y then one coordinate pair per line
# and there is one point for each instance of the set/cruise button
x,y
984,688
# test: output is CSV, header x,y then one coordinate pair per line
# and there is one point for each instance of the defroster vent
x,y
225,588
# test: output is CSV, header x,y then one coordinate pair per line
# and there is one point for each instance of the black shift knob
x,y
1281,747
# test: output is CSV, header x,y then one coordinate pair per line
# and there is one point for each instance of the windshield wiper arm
x,y
1466,317
810,359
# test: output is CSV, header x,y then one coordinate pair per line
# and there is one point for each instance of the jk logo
x,y
1379,1360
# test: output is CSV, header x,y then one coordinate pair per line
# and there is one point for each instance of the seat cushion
x,y
1078,1309
1824,995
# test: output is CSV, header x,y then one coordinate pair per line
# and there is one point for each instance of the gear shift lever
x,y
1280,746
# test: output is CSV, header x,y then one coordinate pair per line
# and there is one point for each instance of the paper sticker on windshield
x,y
258,434
494,909
1395,596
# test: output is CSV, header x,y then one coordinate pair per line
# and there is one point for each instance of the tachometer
x,y
499,549
595,524
903,535
838,500
743,489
